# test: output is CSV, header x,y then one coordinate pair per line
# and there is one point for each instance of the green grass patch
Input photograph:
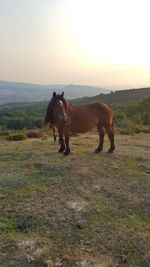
x,y
129,253
6,225
139,217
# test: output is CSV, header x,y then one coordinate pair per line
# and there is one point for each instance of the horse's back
x,y
95,108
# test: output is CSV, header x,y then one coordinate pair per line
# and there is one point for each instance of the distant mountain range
x,y
12,92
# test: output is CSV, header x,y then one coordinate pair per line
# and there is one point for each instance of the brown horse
x,y
80,119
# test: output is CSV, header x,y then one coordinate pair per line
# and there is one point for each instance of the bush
x,y
16,136
137,120
135,129
145,129
127,130
146,119
3,132
119,118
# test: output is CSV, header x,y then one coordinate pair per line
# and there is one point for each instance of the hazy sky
x,y
96,42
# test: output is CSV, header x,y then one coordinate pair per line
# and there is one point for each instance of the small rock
x,y
124,259
78,206
65,258
147,170
81,224
38,252
30,258
92,263
58,264
96,188
28,245
2,196
49,263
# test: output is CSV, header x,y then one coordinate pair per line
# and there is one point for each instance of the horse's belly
x,y
83,127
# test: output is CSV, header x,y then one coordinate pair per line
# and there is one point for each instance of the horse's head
x,y
59,109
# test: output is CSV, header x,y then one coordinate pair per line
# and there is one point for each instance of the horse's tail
x,y
49,118
51,125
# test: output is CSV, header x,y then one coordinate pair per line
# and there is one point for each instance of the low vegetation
x,y
131,115
16,136
86,209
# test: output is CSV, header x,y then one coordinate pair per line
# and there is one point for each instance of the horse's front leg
x,y
67,150
61,140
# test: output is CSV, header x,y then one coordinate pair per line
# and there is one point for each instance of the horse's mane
x,y
65,103
49,113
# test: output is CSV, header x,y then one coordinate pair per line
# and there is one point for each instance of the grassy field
x,y
86,209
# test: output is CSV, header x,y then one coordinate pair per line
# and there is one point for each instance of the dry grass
x,y
82,210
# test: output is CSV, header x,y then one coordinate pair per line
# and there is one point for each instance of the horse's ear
x,y
62,94
54,94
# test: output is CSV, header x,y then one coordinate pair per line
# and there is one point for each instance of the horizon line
x,y
112,88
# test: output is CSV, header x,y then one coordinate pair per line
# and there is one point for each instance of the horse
x,y
80,119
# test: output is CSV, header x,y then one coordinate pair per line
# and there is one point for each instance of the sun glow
x,y
99,42
113,32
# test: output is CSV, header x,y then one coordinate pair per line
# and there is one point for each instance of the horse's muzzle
x,y
63,119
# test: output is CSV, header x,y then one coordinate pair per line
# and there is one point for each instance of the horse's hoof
x,y
61,150
110,151
97,150
66,152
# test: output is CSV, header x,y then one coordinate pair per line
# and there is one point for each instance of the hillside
x,y
129,110
84,210
11,92
122,97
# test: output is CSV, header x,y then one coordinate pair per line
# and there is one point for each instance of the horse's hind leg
x,y
54,134
110,133
61,139
101,138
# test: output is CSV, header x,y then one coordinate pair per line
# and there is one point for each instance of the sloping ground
x,y
87,209
120,96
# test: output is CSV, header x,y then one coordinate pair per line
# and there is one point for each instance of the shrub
x,y
127,130
16,136
146,119
145,129
134,129
121,120
137,119
3,131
